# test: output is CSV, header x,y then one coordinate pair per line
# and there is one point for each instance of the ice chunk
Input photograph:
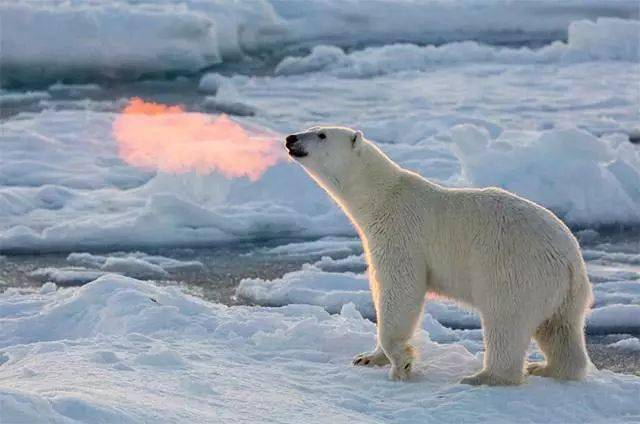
x,y
631,344
567,171
117,40
614,319
73,276
134,267
48,287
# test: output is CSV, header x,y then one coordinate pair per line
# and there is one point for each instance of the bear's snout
x,y
291,139
294,148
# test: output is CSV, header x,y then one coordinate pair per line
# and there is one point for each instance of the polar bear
x,y
508,258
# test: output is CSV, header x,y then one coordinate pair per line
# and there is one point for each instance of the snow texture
x,y
112,350
332,283
126,39
605,39
631,344
63,186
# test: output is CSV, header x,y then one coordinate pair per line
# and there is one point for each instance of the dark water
x,y
223,268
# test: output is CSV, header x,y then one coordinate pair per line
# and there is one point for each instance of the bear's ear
x,y
357,138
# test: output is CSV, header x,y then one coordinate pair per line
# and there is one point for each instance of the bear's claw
x,y
361,360
370,359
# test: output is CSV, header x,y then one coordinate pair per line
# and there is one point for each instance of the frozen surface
x,y
529,96
161,262
631,344
327,246
614,318
570,171
111,40
388,21
332,283
86,267
612,39
124,39
114,349
547,132
537,121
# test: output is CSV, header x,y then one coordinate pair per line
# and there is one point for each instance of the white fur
x,y
512,260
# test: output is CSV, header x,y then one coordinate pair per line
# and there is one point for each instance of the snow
x,y
53,200
126,39
86,267
631,344
331,246
116,40
311,286
569,171
537,121
332,283
71,276
8,99
75,91
443,89
600,256
48,287
388,21
114,349
163,263
537,97
615,318
605,39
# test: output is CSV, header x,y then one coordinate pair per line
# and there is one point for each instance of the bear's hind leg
x,y
563,345
505,343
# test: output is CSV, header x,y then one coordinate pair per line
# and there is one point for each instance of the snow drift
x,y
112,350
569,171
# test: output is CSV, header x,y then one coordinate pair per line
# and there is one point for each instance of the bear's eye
x,y
322,136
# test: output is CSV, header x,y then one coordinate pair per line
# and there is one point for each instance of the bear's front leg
x,y
369,359
400,304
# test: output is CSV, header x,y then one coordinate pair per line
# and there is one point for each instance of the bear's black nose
x,y
291,139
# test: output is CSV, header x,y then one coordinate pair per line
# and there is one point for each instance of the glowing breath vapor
x,y
170,139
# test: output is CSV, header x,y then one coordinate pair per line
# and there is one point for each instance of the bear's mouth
x,y
297,153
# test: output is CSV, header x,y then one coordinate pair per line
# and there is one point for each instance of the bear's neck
x,y
365,192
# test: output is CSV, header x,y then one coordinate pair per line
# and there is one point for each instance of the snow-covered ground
x,y
148,354
538,97
556,132
332,283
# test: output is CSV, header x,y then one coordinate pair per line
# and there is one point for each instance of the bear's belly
x,y
455,287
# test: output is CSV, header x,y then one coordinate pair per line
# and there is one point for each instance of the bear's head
x,y
329,154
